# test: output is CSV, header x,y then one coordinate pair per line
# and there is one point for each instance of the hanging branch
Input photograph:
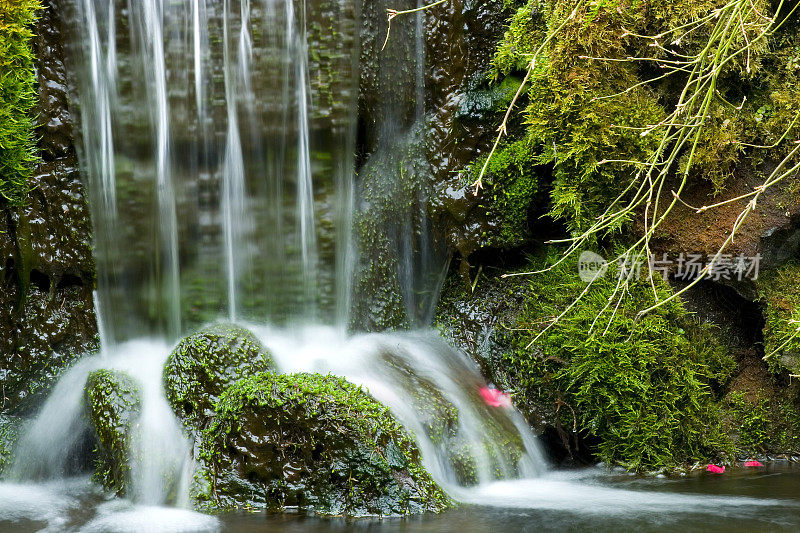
x,y
392,13
680,134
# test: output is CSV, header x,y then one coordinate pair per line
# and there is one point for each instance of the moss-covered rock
x,y
315,442
780,294
113,405
640,389
10,427
203,364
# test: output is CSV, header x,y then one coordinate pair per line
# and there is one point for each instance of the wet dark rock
x,y
205,363
113,404
314,442
46,267
780,244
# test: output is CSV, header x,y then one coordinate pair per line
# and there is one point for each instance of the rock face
x,y
113,405
46,267
314,442
205,363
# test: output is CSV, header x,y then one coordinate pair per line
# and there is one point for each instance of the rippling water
x,y
743,500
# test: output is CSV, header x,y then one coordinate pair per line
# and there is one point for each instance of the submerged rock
x,y
314,442
205,363
113,405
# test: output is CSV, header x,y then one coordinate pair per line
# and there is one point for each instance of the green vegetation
x,y
17,98
644,388
753,421
313,441
113,404
203,364
510,187
9,432
763,420
779,291
598,97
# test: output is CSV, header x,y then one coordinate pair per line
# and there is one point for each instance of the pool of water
x,y
762,499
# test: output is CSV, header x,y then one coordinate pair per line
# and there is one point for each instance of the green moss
x,y
17,98
510,187
642,387
588,109
113,403
779,292
203,364
763,420
316,442
752,417
10,427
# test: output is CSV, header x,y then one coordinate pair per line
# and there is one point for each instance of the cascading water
x,y
222,187
218,140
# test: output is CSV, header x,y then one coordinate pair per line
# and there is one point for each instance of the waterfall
x,y
208,151
218,142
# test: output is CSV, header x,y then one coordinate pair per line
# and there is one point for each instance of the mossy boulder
x,y
203,364
113,405
314,442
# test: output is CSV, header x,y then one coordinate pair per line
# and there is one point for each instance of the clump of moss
x,y
752,416
779,291
642,386
763,420
113,404
570,123
17,98
510,187
591,110
203,364
316,442
9,433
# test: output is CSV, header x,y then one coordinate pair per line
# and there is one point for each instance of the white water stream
x,y
221,184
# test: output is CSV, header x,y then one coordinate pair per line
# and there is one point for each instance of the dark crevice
x,y
740,320
40,280
69,280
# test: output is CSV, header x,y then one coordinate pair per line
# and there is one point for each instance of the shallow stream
x,y
766,499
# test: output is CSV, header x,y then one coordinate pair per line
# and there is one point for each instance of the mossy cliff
x,y
664,389
46,267
314,442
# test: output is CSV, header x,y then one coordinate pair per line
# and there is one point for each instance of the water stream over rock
x,y
218,144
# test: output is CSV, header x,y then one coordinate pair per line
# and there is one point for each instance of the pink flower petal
x,y
714,469
752,463
495,398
